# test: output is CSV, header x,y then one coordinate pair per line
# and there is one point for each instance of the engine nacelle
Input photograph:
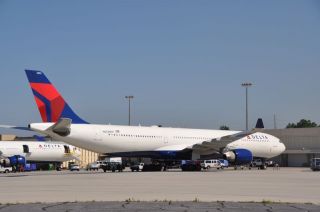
x,y
5,162
238,156
17,160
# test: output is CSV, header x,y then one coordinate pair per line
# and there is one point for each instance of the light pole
x,y
129,99
246,85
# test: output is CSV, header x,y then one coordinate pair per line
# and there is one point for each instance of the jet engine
x,y
238,156
13,161
5,162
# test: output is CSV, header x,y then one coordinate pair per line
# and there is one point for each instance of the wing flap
x,y
218,144
15,127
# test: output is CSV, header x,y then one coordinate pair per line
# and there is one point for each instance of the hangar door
x,y
298,160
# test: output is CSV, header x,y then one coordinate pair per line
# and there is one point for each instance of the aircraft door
x,y
66,149
25,148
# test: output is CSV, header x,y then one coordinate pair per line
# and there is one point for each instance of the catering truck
x,y
315,164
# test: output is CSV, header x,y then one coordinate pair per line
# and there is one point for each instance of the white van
x,y
5,169
207,164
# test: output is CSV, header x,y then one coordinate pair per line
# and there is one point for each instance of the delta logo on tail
x,y
50,103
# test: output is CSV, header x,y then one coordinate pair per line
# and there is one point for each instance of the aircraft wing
x,y
207,147
218,144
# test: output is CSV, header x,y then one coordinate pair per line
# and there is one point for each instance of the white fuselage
x,y
39,151
260,144
117,139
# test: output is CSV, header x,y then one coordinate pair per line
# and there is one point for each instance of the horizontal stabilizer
x,y
62,127
15,127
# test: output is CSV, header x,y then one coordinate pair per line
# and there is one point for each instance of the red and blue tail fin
x,y
50,103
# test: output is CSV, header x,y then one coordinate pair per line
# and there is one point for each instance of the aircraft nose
x,y
282,147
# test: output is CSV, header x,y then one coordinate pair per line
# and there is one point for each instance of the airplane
x,y
36,151
40,151
61,123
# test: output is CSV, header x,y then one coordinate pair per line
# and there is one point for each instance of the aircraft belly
x,y
46,155
262,151
38,157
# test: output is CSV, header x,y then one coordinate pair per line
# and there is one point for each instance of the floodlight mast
x,y
246,85
129,100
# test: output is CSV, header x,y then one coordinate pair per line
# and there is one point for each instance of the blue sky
x,y
183,61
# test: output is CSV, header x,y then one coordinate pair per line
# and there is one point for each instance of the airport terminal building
x,y
302,144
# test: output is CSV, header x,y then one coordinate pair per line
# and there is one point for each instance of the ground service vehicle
x,y
137,167
114,159
315,164
30,167
224,163
111,166
93,166
207,164
270,163
74,167
5,169
259,163
190,165
153,167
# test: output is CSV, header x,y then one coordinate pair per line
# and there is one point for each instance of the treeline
x,y
303,123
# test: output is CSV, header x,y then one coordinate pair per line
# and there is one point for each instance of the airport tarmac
x,y
293,185
161,206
